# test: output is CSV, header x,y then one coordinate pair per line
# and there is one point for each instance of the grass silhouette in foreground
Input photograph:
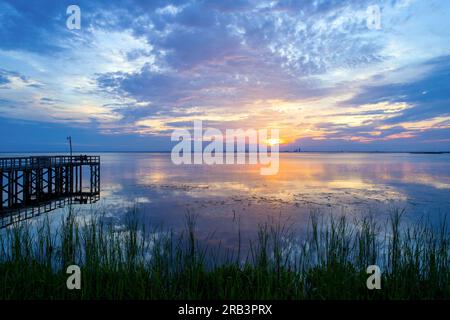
x,y
134,264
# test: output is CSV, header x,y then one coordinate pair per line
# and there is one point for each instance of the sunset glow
x,y
314,71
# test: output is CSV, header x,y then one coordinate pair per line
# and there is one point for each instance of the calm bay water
x,y
228,198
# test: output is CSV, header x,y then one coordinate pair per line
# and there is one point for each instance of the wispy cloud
x,y
312,69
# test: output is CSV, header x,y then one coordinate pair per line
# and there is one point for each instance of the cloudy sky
x,y
137,70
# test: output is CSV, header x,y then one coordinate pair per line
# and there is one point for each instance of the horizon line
x,y
284,151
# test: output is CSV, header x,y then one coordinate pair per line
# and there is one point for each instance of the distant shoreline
x,y
293,152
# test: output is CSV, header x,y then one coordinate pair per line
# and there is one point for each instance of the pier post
x,y
10,188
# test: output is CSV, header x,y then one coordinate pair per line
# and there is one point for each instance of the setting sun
x,y
272,142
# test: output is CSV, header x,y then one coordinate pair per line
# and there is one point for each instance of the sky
x,y
137,70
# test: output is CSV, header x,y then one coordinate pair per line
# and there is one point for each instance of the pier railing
x,y
47,161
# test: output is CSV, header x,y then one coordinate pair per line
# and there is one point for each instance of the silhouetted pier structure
x,y
30,186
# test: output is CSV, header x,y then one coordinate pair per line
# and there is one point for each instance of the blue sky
x,y
137,70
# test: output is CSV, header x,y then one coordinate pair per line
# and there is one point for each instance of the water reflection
x,y
226,198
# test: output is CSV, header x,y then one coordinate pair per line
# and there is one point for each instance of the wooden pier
x,y
35,184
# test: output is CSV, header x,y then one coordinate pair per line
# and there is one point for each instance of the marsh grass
x,y
134,263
